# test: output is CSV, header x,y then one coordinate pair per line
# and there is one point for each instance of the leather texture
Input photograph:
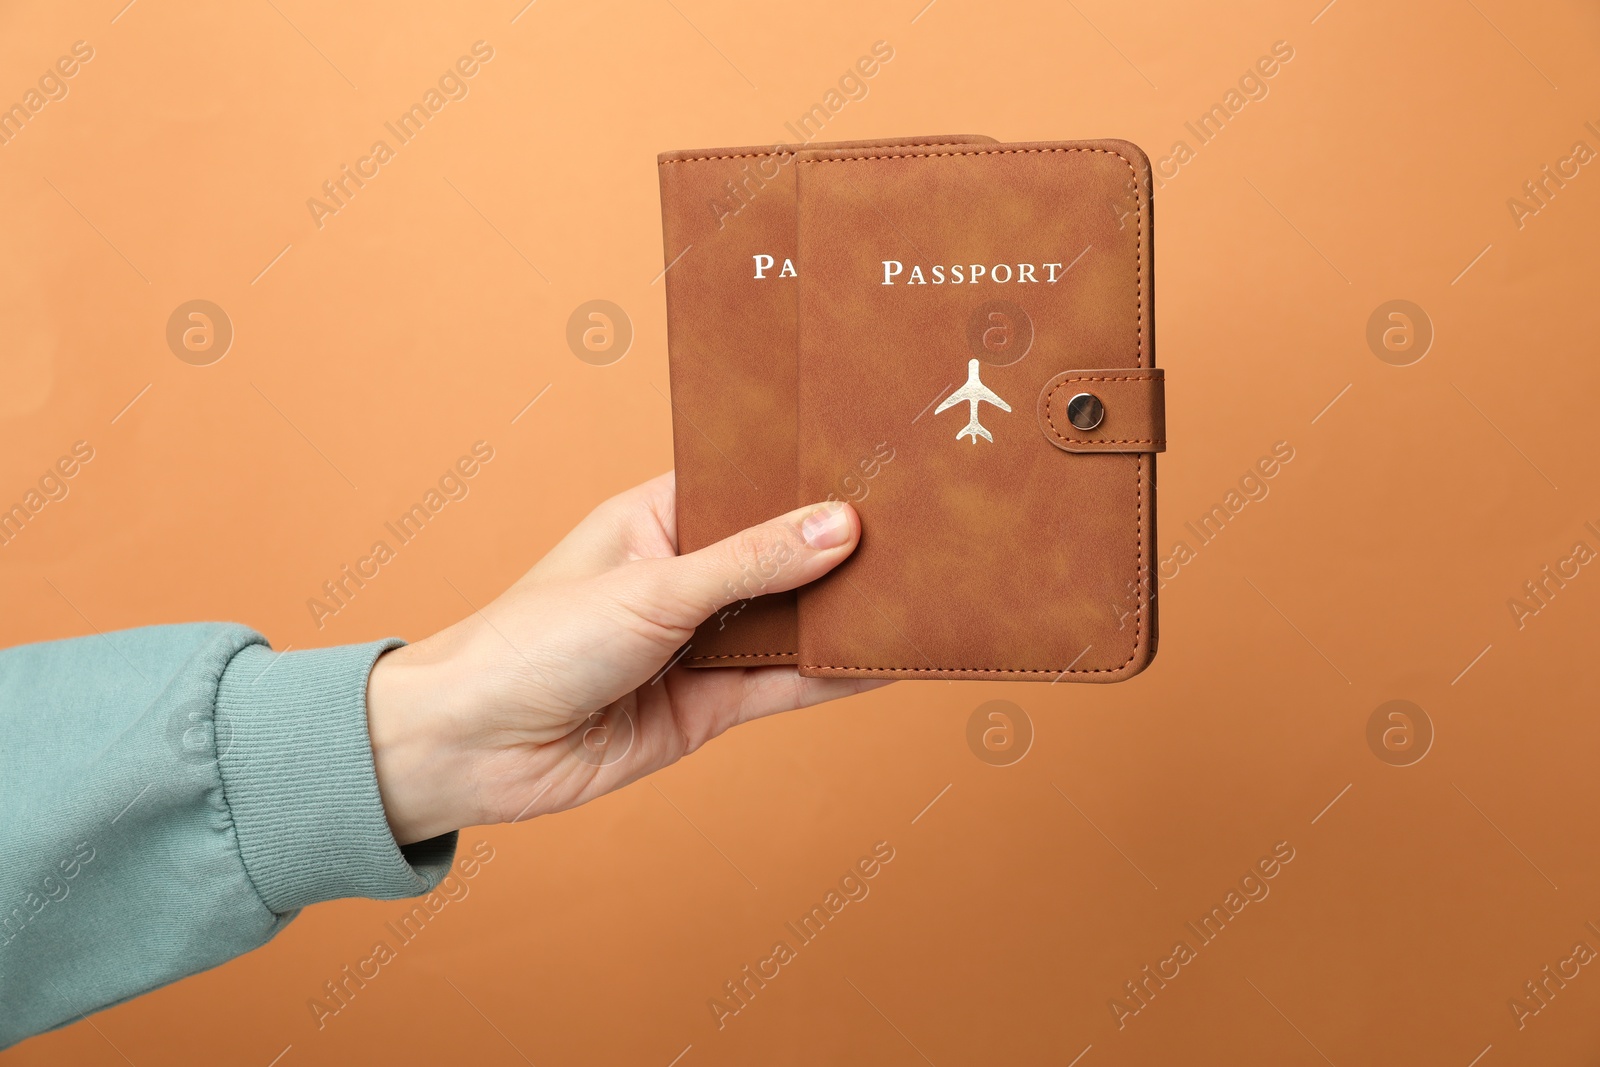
x,y
731,340
988,551
1134,405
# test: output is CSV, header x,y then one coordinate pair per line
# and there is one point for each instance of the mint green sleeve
x,y
170,797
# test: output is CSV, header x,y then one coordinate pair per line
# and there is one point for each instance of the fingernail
x,y
827,527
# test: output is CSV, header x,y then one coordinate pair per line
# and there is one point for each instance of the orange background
x,y
430,310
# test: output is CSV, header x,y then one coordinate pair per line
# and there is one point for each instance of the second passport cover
x,y
951,301
729,231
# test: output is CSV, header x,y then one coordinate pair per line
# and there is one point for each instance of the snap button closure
x,y
1085,411
1125,413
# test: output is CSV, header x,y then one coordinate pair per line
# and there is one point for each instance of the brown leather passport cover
x,y
727,217
953,301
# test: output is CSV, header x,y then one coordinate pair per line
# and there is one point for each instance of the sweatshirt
x,y
171,797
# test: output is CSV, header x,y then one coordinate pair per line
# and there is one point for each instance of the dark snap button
x,y
1085,411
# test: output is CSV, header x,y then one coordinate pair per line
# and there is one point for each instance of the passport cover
x,y
953,303
728,228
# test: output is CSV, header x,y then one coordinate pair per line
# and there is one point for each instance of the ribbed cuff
x,y
297,774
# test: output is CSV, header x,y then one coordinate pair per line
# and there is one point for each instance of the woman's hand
x,y
555,693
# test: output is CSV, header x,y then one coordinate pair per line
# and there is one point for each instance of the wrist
x,y
416,705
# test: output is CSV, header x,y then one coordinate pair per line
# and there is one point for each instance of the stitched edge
x,y
977,152
1050,420
1109,378
966,670
1138,273
776,151
743,655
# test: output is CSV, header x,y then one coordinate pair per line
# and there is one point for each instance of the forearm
x,y
421,702
170,797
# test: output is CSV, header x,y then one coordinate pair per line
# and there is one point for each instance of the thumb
x,y
776,556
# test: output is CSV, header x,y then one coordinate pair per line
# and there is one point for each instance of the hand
x,y
496,718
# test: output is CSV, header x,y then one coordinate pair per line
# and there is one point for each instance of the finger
x,y
707,703
773,557
770,690
637,523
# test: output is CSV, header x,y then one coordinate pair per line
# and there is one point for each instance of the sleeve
x,y
170,797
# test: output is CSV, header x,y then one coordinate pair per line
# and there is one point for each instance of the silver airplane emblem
x,y
974,392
